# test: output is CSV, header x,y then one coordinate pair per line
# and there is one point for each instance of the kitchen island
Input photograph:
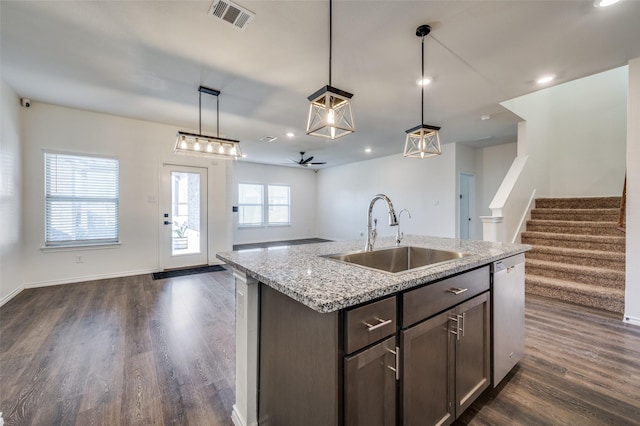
x,y
294,347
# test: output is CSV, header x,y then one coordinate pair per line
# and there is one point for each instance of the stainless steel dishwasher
x,y
508,315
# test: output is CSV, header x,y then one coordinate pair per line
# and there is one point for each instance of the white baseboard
x,y
237,419
11,295
89,278
631,320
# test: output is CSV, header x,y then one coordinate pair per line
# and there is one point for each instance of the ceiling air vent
x,y
232,13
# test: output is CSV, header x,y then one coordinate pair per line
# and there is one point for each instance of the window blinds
x,y
81,200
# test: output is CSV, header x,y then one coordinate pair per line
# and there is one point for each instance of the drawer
x,y
369,323
421,303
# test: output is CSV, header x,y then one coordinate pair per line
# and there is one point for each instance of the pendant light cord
x,y
422,82
330,36
217,116
199,112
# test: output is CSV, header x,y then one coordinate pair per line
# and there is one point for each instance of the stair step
x,y
577,274
588,242
594,258
587,215
574,227
610,299
579,203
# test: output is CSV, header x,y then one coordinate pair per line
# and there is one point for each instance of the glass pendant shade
x,y
422,141
330,114
207,146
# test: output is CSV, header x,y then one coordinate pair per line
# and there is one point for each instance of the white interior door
x,y
184,216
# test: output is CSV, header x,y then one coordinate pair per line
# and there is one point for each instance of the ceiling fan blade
x,y
324,162
307,160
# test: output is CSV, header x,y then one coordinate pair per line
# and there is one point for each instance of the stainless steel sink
x,y
398,259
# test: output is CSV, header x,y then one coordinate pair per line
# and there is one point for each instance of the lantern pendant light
x,y
330,114
422,141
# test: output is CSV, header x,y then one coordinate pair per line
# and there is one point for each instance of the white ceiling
x,y
146,59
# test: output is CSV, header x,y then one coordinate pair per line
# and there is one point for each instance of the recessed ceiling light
x,y
605,3
244,155
485,117
423,81
268,138
290,134
545,79
367,150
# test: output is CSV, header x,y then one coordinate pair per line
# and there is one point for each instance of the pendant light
x,y
422,141
207,146
330,114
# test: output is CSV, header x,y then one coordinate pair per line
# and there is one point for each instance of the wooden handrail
x,y
622,220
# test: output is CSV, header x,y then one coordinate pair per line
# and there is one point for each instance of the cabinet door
x,y
472,352
427,372
370,386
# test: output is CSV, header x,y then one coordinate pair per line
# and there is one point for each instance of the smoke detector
x,y
232,13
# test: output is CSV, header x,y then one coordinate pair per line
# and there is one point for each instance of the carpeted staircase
x,y
578,253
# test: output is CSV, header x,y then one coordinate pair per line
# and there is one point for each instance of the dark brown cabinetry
x,y
417,357
445,363
370,386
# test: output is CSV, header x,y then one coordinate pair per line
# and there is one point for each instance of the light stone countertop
x,y
327,285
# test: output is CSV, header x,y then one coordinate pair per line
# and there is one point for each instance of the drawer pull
x,y
381,323
456,290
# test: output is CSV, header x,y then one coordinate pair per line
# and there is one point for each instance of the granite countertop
x,y
326,285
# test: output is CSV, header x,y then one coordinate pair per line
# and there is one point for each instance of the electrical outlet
x,y
79,259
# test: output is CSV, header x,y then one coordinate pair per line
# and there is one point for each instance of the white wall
x,y
10,195
142,147
493,162
590,124
632,296
466,163
303,201
426,188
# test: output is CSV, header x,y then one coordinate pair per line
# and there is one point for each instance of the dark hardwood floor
x,y
136,351
120,351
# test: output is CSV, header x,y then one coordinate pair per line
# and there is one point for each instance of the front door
x,y
184,216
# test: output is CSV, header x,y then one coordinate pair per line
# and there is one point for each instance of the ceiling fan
x,y
306,162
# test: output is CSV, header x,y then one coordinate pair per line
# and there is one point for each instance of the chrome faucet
x,y
400,235
372,232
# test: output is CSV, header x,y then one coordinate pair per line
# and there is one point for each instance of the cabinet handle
x,y
456,328
510,269
456,290
381,323
397,362
461,323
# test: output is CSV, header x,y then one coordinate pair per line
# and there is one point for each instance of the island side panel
x,y
245,409
299,363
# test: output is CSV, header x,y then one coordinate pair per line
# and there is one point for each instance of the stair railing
x,y
622,221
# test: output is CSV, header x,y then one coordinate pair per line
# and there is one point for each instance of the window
x,y
81,200
251,205
279,205
250,201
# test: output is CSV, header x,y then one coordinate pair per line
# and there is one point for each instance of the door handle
x,y
166,222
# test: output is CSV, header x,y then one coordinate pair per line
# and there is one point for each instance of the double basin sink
x,y
398,259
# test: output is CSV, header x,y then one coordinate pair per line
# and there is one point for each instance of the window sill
x,y
80,247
